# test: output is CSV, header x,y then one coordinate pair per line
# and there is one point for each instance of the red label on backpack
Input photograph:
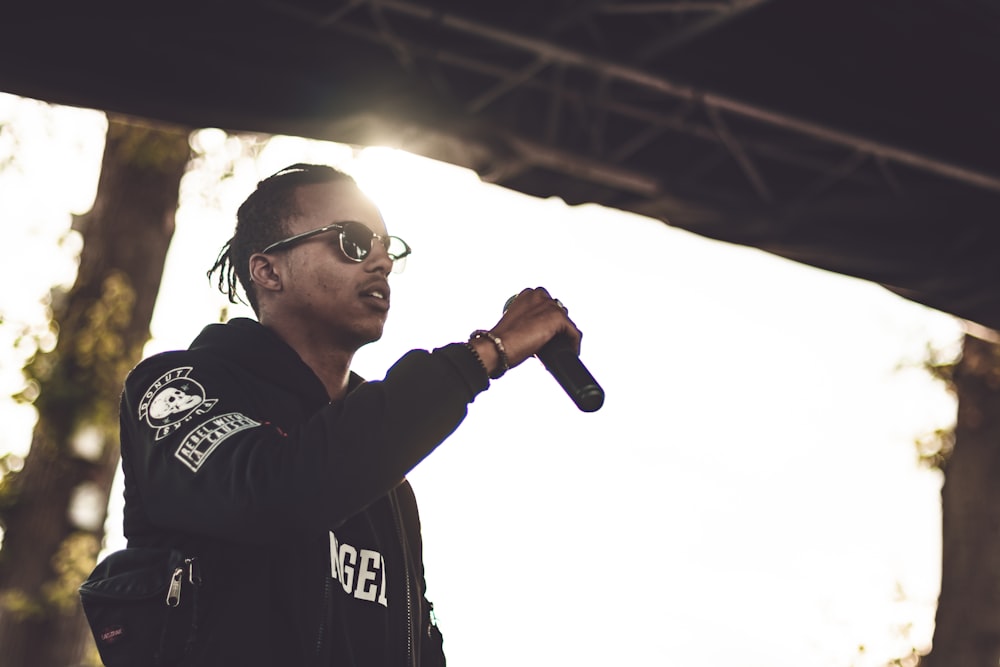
x,y
112,634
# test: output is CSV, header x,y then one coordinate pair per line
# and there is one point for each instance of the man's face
x,y
331,296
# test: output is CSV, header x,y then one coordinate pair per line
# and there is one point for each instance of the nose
x,y
378,259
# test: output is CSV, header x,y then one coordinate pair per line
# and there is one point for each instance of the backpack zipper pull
x,y
174,591
194,570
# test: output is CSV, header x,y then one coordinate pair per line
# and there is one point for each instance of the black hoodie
x,y
298,508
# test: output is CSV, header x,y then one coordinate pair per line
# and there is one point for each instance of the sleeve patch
x,y
196,447
172,400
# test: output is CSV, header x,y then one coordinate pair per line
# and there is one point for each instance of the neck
x,y
329,361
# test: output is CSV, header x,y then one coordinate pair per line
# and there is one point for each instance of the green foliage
x,y
100,343
911,660
9,146
934,448
19,605
79,377
77,383
30,339
940,364
148,147
10,466
71,564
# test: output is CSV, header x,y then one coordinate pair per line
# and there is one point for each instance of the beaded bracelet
x,y
472,349
498,344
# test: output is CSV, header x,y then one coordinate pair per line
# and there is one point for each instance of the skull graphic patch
x,y
173,399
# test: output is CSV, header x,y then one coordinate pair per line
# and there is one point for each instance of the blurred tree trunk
x,y
967,629
103,323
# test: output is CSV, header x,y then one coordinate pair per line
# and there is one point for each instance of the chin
x,y
369,337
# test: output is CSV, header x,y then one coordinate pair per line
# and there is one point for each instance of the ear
x,y
264,273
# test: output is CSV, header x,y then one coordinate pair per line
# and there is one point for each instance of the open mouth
x,y
376,294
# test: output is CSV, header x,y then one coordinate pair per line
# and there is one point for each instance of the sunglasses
x,y
356,242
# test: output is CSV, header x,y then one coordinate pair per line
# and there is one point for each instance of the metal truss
x,y
570,99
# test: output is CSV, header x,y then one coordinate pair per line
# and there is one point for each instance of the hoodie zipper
x,y
397,517
324,615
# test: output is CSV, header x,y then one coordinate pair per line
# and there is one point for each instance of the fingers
x,y
531,319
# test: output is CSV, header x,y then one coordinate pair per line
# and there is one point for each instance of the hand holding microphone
x,y
536,324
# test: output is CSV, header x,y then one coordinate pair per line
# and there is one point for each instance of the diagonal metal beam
x,y
636,143
555,105
396,45
334,16
841,171
890,178
507,84
694,29
749,168
596,171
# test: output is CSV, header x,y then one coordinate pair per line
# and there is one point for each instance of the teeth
x,y
377,295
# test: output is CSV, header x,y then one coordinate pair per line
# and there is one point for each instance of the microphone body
x,y
561,360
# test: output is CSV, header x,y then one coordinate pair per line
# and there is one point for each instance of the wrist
x,y
491,352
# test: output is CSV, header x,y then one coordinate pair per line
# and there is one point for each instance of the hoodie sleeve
x,y
208,449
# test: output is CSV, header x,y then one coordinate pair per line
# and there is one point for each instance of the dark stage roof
x,y
861,136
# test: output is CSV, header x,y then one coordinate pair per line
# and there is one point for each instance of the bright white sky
x,y
749,494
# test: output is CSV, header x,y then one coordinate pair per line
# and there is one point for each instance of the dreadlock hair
x,y
262,220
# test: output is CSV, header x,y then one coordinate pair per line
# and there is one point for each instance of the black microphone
x,y
560,358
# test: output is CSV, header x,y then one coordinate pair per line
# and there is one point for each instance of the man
x,y
262,458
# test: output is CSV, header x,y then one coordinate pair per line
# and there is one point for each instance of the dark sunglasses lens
x,y
356,241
